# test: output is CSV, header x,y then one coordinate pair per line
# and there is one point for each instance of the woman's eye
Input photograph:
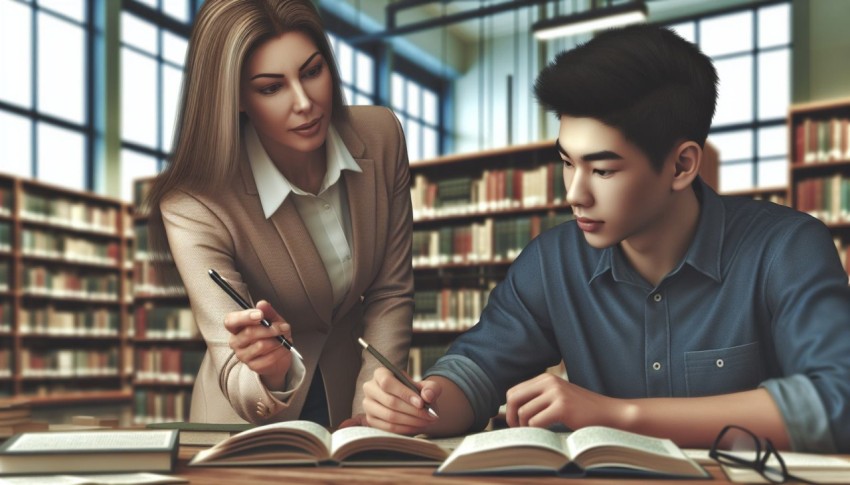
x,y
270,89
603,173
314,71
567,163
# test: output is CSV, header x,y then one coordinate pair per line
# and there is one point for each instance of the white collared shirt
x,y
325,214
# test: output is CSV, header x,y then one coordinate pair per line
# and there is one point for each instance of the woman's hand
x,y
258,346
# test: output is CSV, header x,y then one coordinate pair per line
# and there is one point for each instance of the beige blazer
x,y
276,260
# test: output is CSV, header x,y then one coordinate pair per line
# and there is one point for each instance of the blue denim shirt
x,y
760,299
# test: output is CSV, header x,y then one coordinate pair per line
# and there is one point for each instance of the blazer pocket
x,y
723,371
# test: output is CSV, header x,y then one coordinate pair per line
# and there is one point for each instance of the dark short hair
x,y
655,87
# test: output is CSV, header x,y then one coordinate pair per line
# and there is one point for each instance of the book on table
x,y
202,434
98,451
307,443
594,450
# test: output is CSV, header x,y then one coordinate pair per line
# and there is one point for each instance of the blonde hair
x,y
205,154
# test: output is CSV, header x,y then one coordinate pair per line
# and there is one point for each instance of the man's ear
x,y
688,159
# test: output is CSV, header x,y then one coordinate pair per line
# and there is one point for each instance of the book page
x,y
510,437
511,449
100,479
356,439
269,442
92,440
598,436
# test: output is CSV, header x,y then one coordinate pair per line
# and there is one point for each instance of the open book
x,y
594,450
307,443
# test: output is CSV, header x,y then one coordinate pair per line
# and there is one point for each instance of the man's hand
x,y
547,400
392,406
257,346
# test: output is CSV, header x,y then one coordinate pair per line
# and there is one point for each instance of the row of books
x,y
69,362
494,190
70,213
78,322
141,189
818,141
487,241
67,283
423,358
5,236
52,245
156,406
157,280
5,363
6,200
165,322
168,364
827,198
452,309
5,276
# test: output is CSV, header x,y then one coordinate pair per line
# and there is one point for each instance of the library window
x,y
356,69
153,52
417,108
44,123
751,50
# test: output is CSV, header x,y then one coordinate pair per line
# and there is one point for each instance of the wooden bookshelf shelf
x,y
164,384
63,266
477,215
169,341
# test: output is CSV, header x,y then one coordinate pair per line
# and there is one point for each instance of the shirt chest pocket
x,y
722,371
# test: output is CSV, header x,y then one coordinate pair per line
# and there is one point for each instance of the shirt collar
x,y
272,187
703,254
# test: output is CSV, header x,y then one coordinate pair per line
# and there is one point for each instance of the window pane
x,y
685,30
430,143
69,8
774,83
398,92
413,99
734,145
735,93
170,99
138,98
15,63
60,156
736,176
361,99
429,107
365,66
61,64
773,173
345,60
174,48
775,25
15,144
179,9
727,33
138,33
134,166
348,94
414,137
773,141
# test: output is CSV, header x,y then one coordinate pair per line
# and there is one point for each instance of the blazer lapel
x,y
298,247
361,189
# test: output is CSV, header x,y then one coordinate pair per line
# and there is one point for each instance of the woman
x,y
300,203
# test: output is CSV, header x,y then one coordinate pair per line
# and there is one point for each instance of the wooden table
x,y
383,475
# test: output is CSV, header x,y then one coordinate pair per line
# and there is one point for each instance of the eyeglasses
x,y
746,451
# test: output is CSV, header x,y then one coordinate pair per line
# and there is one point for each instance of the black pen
x,y
397,373
245,306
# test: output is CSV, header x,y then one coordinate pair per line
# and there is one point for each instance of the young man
x,y
676,311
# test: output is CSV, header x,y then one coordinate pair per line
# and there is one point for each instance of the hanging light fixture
x,y
594,19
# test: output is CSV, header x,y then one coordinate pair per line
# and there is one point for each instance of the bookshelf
x,y
63,277
472,215
168,348
819,137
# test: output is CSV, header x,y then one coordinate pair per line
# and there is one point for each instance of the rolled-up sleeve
x,y
807,292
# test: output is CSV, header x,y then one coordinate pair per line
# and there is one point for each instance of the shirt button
x,y
657,297
719,362
656,366
327,206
